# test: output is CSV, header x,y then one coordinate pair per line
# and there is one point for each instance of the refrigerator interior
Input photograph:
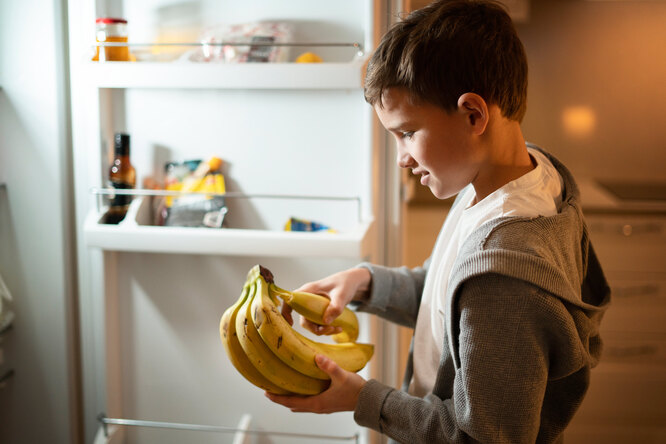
x,y
296,140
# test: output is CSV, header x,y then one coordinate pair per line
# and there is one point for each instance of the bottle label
x,y
120,200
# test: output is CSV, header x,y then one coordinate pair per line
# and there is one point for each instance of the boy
x,y
506,311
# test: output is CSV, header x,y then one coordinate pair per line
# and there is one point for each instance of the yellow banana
x,y
293,348
312,307
268,364
236,353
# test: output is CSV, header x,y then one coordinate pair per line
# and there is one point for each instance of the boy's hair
x,y
449,48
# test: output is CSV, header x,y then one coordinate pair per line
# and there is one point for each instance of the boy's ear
x,y
475,110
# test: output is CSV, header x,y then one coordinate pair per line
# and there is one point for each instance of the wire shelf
x,y
105,422
101,192
355,45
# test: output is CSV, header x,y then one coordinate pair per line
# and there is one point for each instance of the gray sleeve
x,y
504,333
395,293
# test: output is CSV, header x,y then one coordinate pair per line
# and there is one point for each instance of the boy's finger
x,y
296,403
329,366
286,313
319,329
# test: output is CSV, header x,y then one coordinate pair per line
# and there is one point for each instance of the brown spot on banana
x,y
266,274
279,341
268,318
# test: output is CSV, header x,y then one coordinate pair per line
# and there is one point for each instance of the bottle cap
x,y
122,143
110,20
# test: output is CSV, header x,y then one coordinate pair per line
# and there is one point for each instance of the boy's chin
x,y
438,194
442,194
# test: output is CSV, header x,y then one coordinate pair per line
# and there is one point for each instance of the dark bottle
x,y
122,176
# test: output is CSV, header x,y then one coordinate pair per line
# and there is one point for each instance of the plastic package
x,y
260,32
196,210
295,224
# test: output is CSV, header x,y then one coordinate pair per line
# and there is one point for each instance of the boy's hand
x,y
340,288
340,396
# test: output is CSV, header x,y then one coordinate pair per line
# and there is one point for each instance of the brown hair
x,y
449,48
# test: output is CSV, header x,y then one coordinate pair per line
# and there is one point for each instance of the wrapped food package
x,y
256,35
195,210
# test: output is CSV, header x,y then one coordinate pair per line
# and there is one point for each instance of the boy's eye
x,y
406,134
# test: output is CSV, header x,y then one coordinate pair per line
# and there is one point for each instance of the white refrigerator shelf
x,y
188,75
135,234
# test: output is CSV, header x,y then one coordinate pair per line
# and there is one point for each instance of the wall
x,y
602,66
39,402
596,95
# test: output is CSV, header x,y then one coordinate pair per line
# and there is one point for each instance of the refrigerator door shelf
x,y
130,235
347,75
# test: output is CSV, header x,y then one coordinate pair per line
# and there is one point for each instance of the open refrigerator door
x,y
302,164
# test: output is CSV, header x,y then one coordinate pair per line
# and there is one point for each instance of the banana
x,y
291,347
265,349
312,307
236,353
261,356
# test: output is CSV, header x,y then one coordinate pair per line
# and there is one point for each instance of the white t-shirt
x,y
537,193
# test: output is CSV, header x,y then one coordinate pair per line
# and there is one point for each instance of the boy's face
x,y
434,144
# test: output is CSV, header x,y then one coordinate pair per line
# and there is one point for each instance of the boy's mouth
x,y
423,173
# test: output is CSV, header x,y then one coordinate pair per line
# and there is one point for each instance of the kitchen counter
x,y
623,197
617,197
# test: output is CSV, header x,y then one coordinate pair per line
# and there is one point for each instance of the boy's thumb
x,y
329,366
333,310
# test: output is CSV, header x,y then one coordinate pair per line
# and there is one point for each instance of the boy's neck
x,y
506,157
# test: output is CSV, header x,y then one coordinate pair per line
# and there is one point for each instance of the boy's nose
x,y
405,160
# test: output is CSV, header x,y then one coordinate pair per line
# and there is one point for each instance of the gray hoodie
x,y
525,301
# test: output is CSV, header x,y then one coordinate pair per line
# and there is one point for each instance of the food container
x,y
111,30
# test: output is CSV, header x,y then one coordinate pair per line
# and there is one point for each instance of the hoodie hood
x,y
553,253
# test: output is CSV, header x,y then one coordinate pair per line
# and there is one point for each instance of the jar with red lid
x,y
111,30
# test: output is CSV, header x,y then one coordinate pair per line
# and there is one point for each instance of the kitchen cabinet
x,y
626,401
297,140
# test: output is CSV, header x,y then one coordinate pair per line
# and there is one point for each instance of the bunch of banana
x,y
270,354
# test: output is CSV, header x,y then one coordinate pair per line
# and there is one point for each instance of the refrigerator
x,y
296,139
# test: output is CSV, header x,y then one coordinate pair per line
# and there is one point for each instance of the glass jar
x,y
111,30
